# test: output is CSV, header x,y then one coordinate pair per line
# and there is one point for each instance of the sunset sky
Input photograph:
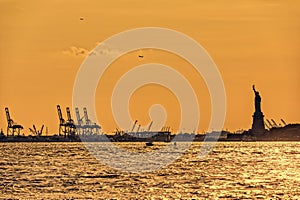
x,y
43,44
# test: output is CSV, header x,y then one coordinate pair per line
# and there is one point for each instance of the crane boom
x,y
138,128
34,128
149,127
270,124
79,121
9,120
69,114
42,129
134,125
266,124
87,120
61,119
32,131
274,122
283,122
7,114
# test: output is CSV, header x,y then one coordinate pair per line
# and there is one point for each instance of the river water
x,y
239,170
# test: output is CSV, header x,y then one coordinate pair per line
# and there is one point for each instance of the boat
x,y
149,144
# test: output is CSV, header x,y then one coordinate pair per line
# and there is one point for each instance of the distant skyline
x,y
42,45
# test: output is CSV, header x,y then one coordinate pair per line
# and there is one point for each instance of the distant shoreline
x,y
288,133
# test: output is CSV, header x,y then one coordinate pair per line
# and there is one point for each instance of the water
x,y
231,171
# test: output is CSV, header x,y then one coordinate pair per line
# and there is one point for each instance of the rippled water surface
x,y
231,171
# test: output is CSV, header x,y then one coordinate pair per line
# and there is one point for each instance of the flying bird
x,y
140,56
81,18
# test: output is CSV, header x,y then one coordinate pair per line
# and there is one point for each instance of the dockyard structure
x,y
66,127
12,127
69,130
35,131
84,125
138,134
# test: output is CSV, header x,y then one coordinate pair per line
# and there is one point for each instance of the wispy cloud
x,y
79,51
76,51
106,50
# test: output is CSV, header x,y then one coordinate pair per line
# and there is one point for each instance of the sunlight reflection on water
x,y
231,170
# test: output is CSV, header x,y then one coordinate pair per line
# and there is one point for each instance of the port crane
x,y
119,132
166,132
35,131
90,127
87,120
70,121
79,119
79,126
12,127
67,127
85,126
165,129
62,123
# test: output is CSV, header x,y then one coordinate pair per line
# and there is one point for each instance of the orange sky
x,y
43,43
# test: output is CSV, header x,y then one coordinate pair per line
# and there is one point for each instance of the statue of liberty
x,y
257,100
258,126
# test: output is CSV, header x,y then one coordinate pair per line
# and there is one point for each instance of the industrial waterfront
x,y
61,167
84,129
151,100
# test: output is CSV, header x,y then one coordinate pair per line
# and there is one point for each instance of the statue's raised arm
x,y
253,87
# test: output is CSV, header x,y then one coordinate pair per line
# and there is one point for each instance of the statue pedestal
x,y
258,126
